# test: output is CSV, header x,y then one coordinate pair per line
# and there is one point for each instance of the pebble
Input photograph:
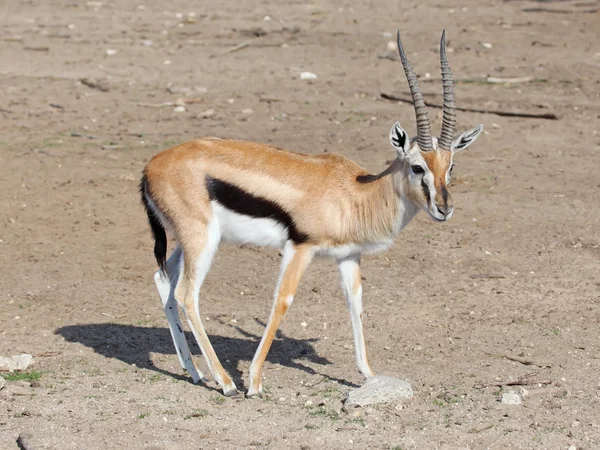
x,y
308,403
208,113
111,52
379,389
179,109
308,76
486,45
247,111
510,398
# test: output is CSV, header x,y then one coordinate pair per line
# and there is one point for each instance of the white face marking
x,y
242,229
449,169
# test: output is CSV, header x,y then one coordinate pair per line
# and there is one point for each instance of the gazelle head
x,y
426,160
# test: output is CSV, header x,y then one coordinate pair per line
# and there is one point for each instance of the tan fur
x,y
438,162
319,192
287,289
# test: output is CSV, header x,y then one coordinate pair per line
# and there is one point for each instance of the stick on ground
x,y
524,361
549,116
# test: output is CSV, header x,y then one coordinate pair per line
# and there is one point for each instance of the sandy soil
x,y
514,272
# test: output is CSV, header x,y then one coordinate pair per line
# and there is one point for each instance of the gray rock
x,y
16,362
380,389
510,398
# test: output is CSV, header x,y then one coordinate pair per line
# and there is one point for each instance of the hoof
x,y
257,394
233,393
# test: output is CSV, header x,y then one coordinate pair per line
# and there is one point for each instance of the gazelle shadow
x,y
133,345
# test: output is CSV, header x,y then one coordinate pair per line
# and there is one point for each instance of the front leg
x,y
295,261
351,284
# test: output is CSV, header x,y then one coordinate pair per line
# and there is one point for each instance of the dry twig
x,y
549,116
519,381
524,361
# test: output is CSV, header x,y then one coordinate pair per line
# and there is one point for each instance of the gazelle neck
x,y
383,209
406,209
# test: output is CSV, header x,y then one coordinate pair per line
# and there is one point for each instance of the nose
x,y
444,210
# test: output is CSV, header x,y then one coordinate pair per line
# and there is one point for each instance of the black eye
x,y
417,169
451,167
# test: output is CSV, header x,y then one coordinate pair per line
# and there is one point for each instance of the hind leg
x,y
165,289
199,243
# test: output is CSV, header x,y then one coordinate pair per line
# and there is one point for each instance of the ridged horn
x,y
449,117
423,127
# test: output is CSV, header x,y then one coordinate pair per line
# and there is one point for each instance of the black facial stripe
x,y
242,202
426,191
445,195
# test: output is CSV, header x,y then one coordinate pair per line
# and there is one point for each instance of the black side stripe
x,y
242,202
426,191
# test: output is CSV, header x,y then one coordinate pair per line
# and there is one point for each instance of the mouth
x,y
437,216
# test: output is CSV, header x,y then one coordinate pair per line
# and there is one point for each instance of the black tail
x,y
160,236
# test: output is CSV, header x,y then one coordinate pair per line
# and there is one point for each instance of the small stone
x,y
303,324
208,113
111,52
510,398
247,111
179,109
308,403
147,43
282,399
308,76
166,62
572,447
16,362
379,389
392,46
486,45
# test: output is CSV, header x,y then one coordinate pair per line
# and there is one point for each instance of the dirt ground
x,y
515,272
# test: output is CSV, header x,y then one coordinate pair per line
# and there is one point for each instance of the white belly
x,y
242,229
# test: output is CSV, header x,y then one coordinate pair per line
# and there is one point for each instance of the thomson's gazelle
x,y
214,190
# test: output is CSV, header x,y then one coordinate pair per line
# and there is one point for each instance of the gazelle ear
x,y
399,140
466,139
